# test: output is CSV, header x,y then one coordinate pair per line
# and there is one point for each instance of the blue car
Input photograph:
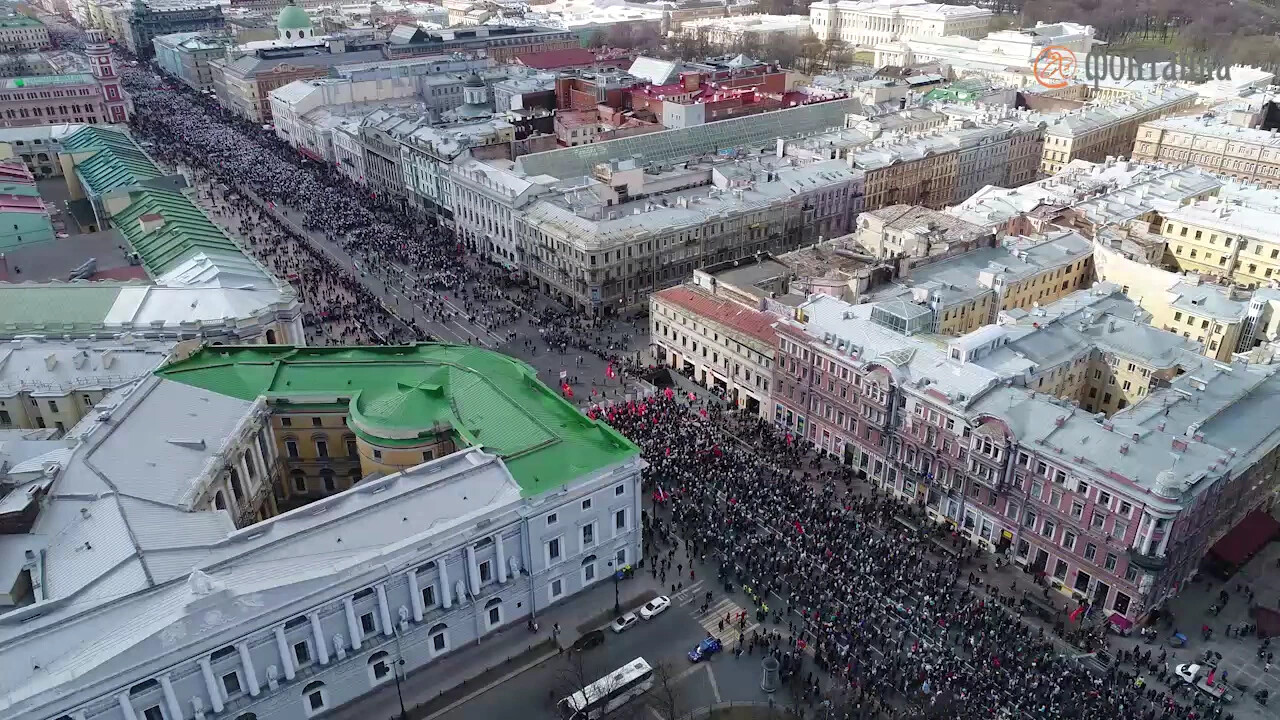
x,y
705,649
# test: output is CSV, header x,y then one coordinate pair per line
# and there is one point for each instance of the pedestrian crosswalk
x,y
719,610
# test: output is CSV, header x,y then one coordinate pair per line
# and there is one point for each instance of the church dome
x,y
293,17
473,81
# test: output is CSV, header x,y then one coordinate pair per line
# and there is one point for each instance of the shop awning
x,y
1120,621
1254,531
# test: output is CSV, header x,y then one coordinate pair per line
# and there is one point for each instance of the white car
x,y
624,623
654,607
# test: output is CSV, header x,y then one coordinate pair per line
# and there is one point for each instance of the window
x,y
619,490
316,422
589,570
493,612
314,698
620,520
353,451
1082,581
553,550
429,596
439,635
299,481
486,572
1048,529
231,684
301,653
322,448
557,589
1077,509
586,504
1110,564
1090,552
53,406
367,624
1119,529
379,667
552,518
588,535
1069,540
329,484
291,448
1060,570
153,713
1122,603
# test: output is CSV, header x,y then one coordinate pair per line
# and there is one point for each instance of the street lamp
x,y
399,670
617,575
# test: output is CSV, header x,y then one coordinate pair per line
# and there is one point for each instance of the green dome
x,y
293,17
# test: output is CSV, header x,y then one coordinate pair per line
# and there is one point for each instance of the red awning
x,y
1255,530
1120,621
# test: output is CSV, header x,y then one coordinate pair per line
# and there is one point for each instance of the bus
x,y
609,692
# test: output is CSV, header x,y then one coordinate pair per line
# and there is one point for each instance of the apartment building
x,y
915,232
854,22
53,384
186,56
148,504
724,346
604,243
1224,319
1237,243
947,165
19,32
143,20
1115,510
957,292
1099,131
1218,145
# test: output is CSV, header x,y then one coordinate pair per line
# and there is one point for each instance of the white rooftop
x,y
38,366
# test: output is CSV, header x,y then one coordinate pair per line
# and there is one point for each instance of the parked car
x,y
624,623
705,649
654,607
595,638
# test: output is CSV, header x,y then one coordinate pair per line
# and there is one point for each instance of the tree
x,y
577,672
664,696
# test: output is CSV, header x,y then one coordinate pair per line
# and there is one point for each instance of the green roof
x,y
47,80
24,228
487,398
293,17
16,21
185,232
116,160
55,305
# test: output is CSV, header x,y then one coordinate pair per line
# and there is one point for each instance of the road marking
x,y
710,621
655,713
689,671
715,688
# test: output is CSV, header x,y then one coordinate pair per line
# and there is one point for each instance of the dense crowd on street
x,y
870,620
897,628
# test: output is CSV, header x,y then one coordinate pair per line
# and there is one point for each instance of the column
x,y
286,654
473,572
352,625
1150,533
210,683
501,558
415,595
170,699
250,674
1164,541
126,706
446,595
232,503
383,610
317,632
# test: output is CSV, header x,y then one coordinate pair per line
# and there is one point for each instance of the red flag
x,y
1076,613
568,391
799,527
1212,672
609,373
692,397
703,411
668,393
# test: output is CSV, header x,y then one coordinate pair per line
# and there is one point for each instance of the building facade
x,y
1108,130
81,98
855,22
1241,153
146,19
20,32
493,539
186,56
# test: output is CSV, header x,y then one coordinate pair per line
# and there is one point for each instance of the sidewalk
x,y
509,651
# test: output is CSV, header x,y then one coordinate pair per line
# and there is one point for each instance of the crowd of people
x,y
877,622
898,628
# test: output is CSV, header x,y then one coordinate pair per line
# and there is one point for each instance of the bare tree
x,y
664,696
577,672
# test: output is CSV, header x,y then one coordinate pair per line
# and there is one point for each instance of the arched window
x,y
379,667
314,698
439,635
493,613
299,481
246,716
271,337
219,501
144,686
235,485
288,34
588,569
249,464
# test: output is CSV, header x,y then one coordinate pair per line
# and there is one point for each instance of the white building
x,y
761,29
866,24
488,200
1006,55
306,112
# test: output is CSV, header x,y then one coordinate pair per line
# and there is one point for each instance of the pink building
x,y
94,97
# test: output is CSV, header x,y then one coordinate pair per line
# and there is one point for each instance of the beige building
x,y
1217,145
878,21
1097,132
914,232
726,347
54,383
1238,243
20,32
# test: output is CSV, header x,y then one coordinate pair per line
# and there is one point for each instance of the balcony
x,y
1154,563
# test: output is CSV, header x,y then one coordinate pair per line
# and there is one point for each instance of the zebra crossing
x,y
710,621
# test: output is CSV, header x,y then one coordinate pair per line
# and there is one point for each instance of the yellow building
x,y
1238,152
1233,242
1097,132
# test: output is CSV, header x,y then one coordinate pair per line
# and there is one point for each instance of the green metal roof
x,y
487,399
24,228
116,162
293,17
16,21
55,305
47,80
185,232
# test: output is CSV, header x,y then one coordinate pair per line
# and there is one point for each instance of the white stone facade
x,y
869,23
